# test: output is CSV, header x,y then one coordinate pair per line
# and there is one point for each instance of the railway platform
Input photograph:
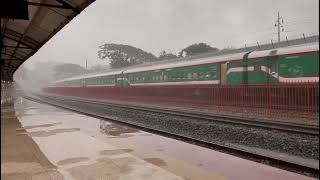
x,y
43,142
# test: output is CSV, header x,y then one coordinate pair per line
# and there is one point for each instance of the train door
x,y
125,80
272,71
223,75
83,82
121,79
245,78
245,69
117,80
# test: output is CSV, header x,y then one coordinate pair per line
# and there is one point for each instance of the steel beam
x,y
69,6
48,5
16,40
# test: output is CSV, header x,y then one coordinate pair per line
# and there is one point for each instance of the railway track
x,y
264,124
280,162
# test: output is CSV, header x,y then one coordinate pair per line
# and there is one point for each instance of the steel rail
x,y
279,162
264,124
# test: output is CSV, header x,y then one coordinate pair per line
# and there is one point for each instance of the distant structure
x,y
279,24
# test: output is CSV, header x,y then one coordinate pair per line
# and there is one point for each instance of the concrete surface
x,y
43,142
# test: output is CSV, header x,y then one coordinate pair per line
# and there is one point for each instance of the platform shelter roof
x,y
21,38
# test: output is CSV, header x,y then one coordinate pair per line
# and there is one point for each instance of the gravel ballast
x,y
305,146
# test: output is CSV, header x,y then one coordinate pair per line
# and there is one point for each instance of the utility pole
x,y
86,65
279,24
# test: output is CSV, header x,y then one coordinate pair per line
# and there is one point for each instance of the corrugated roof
x,y
22,38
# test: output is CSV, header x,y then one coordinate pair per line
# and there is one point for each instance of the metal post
x,y
279,24
278,27
304,37
287,41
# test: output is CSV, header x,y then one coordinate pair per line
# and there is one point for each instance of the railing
x,y
284,101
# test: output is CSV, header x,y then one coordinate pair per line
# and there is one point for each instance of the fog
x,y
171,25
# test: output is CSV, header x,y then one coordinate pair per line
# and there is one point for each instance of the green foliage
x,y
197,49
164,55
124,55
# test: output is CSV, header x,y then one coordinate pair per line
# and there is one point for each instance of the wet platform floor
x,y
43,142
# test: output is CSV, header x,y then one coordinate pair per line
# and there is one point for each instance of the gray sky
x,y
155,25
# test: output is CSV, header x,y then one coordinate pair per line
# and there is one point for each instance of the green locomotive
x,y
296,65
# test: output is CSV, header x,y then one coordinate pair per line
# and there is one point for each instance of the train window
x,y
208,75
165,77
273,68
195,76
213,75
181,76
189,76
201,75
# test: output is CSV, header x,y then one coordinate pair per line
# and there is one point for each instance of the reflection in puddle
x,y
121,136
115,129
115,151
156,161
186,178
37,126
72,160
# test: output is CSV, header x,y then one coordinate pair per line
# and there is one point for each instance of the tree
x,y
68,70
124,55
197,49
164,55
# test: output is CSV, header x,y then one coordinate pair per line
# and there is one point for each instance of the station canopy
x,y
22,37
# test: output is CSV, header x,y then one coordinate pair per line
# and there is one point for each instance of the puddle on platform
x,y
38,126
47,117
156,161
115,129
72,160
115,152
186,178
51,132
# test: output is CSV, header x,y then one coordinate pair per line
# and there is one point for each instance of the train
x,y
284,78
286,65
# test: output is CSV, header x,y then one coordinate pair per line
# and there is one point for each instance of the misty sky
x,y
155,25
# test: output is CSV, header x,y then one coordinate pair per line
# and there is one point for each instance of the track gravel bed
x,y
305,146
